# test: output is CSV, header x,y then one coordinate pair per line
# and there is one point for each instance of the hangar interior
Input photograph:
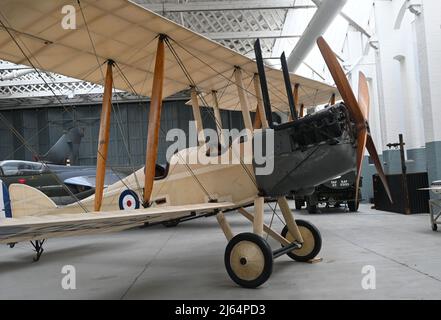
x,y
395,43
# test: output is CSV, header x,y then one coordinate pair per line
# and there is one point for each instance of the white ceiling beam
x,y
351,21
222,5
265,34
321,20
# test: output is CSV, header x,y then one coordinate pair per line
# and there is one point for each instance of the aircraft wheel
x,y
434,227
249,260
312,241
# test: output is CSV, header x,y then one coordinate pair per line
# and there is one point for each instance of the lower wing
x,y
31,228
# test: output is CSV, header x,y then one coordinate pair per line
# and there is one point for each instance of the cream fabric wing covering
x,y
126,33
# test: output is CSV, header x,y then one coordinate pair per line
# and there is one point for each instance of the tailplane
x,y
28,201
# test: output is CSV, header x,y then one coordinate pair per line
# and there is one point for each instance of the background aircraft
x,y
50,174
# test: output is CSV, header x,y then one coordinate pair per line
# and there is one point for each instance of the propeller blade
x,y
341,82
363,96
361,145
376,159
364,104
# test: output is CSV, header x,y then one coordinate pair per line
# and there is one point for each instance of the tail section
x,y
5,202
28,201
66,148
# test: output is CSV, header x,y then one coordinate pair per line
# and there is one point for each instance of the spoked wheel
x,y
249,260
312,241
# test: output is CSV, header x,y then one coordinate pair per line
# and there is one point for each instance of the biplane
x,y
157,58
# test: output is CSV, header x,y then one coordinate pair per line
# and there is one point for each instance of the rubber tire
x,y
268,260
299,204
435,227
317,241
353,207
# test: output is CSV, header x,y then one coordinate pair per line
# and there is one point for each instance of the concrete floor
x,y
187,262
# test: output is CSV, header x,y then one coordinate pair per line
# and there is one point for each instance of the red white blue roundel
x,y
128,200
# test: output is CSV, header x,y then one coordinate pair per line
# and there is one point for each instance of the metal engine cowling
x,y
308,152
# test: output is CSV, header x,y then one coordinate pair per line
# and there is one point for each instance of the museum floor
x,y
186,262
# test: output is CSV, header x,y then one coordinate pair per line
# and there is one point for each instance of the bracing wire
x,y
181,64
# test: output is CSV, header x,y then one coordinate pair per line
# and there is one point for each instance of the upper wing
x,y
30,228
125,32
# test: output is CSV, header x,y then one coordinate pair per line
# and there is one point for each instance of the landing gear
x,y
249,260
312,242
38,247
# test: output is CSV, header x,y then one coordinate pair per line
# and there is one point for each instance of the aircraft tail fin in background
x,y
67,147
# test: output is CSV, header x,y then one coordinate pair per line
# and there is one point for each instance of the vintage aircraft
x,y
157,58
52,176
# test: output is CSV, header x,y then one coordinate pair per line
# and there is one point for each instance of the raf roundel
x,y
128,200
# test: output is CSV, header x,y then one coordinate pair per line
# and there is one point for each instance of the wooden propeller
x,y
358,110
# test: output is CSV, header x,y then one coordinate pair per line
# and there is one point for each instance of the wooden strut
x,y
243,100
289,219
296,97
104,136
258,216
260,108
257,122
333,99
154,121
273,234
218,118
302,110
225,226
197,116
296,102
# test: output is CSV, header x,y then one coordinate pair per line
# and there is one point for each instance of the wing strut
x,y
154,121
104,135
